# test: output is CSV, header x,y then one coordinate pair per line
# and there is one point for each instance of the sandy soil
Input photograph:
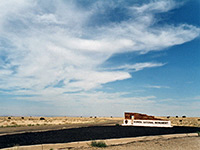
x,y
186,143
37,121
180,121
14,125
34,124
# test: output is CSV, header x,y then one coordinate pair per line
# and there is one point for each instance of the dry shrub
x,y
42,118
98,144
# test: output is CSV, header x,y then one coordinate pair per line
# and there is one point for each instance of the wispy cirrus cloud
x,y
138,66
43,44
196,98
156,86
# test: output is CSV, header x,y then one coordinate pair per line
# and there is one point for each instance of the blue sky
x,y
82,58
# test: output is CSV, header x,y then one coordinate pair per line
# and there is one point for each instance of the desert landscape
x,y
182,143
44,130
83,74
39,121
9,121
14,125
183,121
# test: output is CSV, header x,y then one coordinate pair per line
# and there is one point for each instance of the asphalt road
x,y
87,133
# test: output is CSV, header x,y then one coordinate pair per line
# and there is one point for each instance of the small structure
x,y
137,119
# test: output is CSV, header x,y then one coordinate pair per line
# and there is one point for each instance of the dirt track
x,y
87,133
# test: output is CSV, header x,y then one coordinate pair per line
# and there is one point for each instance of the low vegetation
x,y
198,132
98,144
30,125
42,118
183,121
10,126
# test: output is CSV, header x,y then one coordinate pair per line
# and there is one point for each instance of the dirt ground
x,y
13,125
185,143
184,121
34,124
38,121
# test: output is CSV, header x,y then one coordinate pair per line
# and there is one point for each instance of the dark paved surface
x,y
87,133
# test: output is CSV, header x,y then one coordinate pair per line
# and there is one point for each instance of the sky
x,y
99,58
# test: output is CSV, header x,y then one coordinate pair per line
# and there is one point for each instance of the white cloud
x,y
156,6
4,72
138,66
156,86
45,47
196,98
